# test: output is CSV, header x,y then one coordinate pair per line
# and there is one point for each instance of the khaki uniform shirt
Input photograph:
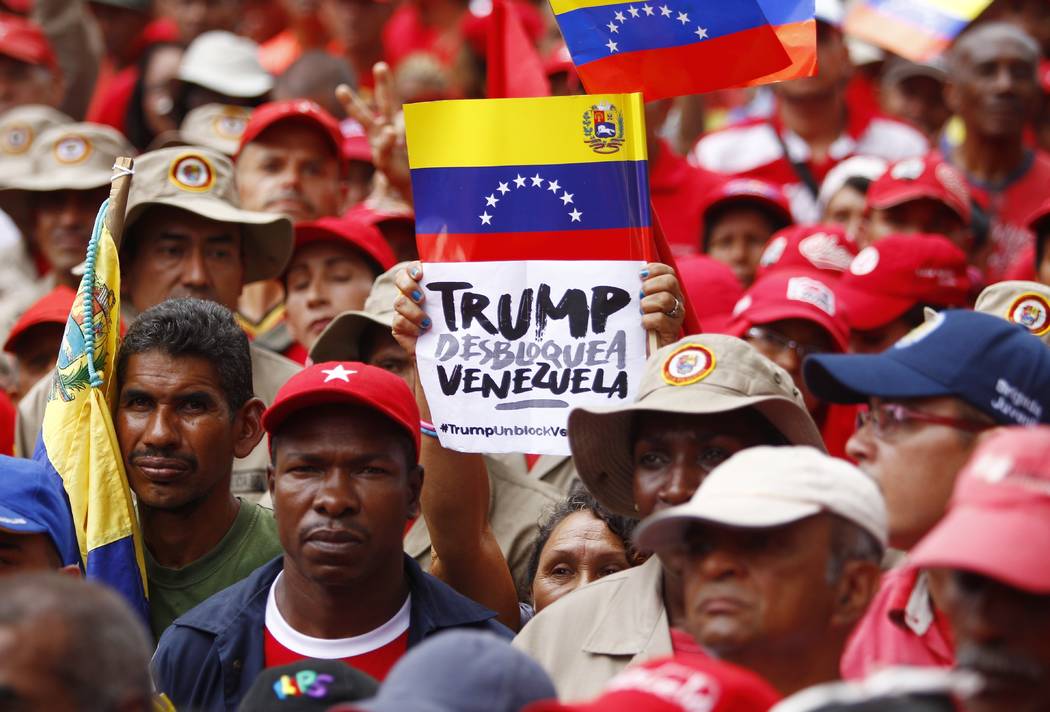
x,y
517,504
558,471
269,372
586,638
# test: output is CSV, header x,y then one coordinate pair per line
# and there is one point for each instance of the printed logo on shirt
x,y
1031,311
603,128
866,262
71,150
812,291
305,683
193,173
16,140
688,364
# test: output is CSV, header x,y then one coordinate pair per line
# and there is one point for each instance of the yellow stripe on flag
x,y
965,9
563,6
518,132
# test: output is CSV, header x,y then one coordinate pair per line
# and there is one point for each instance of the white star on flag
x,y
537,182
648,10
337,374
701,32
503,188
491,200
486,219
519,181
665,11
575,215
553,186
619,16
612,46
633,10
566,198
612,27
683,18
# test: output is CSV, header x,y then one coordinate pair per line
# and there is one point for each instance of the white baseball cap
x,y
227,64
765,487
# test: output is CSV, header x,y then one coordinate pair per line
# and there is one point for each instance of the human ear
x,y
248,429
415,487
854,591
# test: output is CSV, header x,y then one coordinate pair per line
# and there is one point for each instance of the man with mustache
x,y
990,550
184,411
345,482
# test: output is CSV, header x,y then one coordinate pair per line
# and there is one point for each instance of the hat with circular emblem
x,y
1024,303
19,128
215,126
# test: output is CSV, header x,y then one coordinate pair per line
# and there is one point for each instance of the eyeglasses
x,y
783,343
887,419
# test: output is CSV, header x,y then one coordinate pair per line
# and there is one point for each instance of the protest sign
x,y
533,224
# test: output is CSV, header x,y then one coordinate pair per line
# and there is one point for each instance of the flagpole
x,y
120,184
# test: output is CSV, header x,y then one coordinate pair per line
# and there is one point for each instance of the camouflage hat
x,y
341,340
215,126
1024,303
200,180
702,374
19,128
65,157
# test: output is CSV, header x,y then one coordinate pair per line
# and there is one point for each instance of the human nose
x,y
861,445
160,432
682,483
719,563
336,496
195,268
316,294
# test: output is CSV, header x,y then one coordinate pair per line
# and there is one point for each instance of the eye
x,y
608,570
138,403
220,253
713,456
652,459
194,405
562,571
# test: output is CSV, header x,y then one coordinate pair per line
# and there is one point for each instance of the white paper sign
x,y
515,346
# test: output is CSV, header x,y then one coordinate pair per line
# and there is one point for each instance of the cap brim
x,y
238,87
769,313
854,378
270,237
1007,545
914,191
600,437
341,339
667,529
867,310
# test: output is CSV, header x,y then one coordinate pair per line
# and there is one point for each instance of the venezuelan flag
x,y
78,440
554,178
669,47
918,30
796,27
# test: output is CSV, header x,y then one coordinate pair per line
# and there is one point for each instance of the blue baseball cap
x,y
997,367
33,501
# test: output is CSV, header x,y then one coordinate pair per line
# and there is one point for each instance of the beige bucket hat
x,y
19,128
702,374
1024,303
201,181
341,340
215,126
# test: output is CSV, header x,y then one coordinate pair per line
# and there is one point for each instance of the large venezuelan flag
x,y
670,47
918,30
796,27
78,440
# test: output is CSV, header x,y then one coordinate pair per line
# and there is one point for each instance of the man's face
x,y
176,433
35,352
64,220
30,678
738,240
290,169
27,552
180,254
846,209
1002,633
195,17
380,349
356,24
343,487
324,279
924,216
751,593
915,463
22,84
810,337
920,100
994,86
674,453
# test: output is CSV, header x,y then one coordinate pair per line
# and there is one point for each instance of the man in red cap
x,y
36,337
29,72
345,480
993,581
919,196
891,283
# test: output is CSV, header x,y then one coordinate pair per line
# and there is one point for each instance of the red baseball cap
x,y
899,271
998,522
353,231
52,308
373,214
792,295
345,382
301,110
679,684
751,190
24,40
927,177
824,248
355,141
712,289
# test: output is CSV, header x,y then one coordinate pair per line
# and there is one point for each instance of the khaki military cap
x,y
702,374
215,126
1024,303
200,180
19,128
341,340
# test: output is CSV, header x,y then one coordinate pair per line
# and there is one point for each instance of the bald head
x,y
315,75
987,35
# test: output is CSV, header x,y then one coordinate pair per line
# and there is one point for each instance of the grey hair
x,y
105,663
850,542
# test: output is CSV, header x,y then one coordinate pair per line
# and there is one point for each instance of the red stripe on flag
x,y
800,41
732,60
892,33
615,244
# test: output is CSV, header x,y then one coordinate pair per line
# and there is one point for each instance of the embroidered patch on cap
x,y
688,364
193,173
230,126
306,683
824,252
72,149
865,262
812,291
773,252
1031,311
16,140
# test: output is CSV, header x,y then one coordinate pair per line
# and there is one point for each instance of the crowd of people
x,y
847,508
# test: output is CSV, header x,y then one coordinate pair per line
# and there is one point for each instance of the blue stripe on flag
x,y
115,565
787,12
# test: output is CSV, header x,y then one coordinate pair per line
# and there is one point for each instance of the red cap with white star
x,y
345,382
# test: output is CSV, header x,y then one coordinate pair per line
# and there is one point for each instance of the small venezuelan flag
x,y
555,178
918,30
669,47
78,440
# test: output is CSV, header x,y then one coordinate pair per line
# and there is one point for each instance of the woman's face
x,y
581,549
